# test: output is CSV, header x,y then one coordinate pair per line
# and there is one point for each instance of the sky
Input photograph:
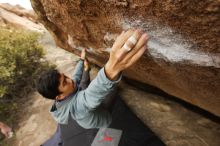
x,y
24,3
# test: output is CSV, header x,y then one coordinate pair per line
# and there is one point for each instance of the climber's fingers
x,y
126,42
121,39
141,43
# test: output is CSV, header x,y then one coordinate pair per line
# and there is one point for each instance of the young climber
x,y
82,105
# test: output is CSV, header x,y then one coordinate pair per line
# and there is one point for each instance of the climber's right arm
x,y
107,78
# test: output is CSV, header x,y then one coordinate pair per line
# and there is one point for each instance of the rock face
x,y
183,58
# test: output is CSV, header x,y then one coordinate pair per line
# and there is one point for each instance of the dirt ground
x,y
176,124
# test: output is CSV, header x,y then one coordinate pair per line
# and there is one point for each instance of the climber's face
x,y
66,86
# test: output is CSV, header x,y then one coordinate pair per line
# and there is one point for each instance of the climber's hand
x,y
5,130
83,54
125,52
86,65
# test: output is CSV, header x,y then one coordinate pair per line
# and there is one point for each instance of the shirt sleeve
x,y
77,74
95,93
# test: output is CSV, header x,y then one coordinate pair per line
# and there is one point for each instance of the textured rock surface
x,y
184,50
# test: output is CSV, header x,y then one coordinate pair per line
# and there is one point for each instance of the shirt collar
x,y
59,103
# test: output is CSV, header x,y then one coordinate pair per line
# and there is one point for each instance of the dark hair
x,y
48,83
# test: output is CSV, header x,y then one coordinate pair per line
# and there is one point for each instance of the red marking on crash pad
x,y
106,138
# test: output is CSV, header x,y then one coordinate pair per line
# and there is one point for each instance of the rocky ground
x,y
19,17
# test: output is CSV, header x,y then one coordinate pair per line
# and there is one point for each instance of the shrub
x,y
20,56
21,61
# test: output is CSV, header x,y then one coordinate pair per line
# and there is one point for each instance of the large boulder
x,y
183,58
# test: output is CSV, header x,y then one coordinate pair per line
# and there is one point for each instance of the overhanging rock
x,y
183,58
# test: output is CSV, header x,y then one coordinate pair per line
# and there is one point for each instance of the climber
x,y
82,108
82,105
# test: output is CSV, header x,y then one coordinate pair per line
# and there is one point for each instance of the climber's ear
x,y
60,97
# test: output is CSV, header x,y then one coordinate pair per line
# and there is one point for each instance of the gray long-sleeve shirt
x,y
82,105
